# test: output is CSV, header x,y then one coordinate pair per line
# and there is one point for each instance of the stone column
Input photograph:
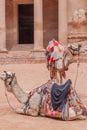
x,y
2,26
38,25
62,21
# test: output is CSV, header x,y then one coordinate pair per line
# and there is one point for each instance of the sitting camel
x,y
51,100
59,58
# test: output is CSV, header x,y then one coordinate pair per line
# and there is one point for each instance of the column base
x,y
38,53
3,50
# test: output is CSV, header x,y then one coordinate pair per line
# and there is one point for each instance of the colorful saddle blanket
x,y
54,50
57,104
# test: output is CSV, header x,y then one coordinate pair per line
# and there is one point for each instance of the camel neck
x,y
21,96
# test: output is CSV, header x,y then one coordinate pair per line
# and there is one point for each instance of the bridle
x,y
9,77
70,48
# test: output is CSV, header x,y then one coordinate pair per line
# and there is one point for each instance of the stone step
x,y
21,60
22,57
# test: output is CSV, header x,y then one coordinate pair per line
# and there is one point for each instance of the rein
x,y
10,83
78,63
8,101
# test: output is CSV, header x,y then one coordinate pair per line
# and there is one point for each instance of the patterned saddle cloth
x,y
54,50
57,100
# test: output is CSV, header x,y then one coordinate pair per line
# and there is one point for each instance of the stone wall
x,y
77,20
9,23
50,20
2,26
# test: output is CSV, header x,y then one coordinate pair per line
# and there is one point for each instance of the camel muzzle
x,y
3,75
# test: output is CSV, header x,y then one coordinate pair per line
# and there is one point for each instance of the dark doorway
x,y
26,23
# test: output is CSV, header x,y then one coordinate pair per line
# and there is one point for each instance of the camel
x,y
61,64
39,100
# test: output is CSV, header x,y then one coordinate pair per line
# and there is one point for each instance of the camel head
x,y
9,79
76,49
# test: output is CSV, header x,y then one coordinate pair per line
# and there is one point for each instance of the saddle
x,y
59,93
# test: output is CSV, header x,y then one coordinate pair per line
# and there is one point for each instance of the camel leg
x,y
73,116
31,112
20,111
78,117
56,77
60,78
52,74
34,106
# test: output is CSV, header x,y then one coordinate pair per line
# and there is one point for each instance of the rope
x,y
78,63
76,74
9,102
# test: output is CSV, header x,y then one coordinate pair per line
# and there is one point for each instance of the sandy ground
x,y
30,76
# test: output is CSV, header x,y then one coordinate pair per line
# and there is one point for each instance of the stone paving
x,y
30,76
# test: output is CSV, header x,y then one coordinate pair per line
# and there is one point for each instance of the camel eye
x,y
9,76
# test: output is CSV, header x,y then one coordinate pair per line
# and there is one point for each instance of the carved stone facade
x,y
77,20
64,20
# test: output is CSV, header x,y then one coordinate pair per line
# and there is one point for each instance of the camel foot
x,y
20,111
81,117
73,116
78,117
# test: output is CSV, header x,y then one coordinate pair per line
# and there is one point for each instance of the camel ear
x,y
14,74
4,71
